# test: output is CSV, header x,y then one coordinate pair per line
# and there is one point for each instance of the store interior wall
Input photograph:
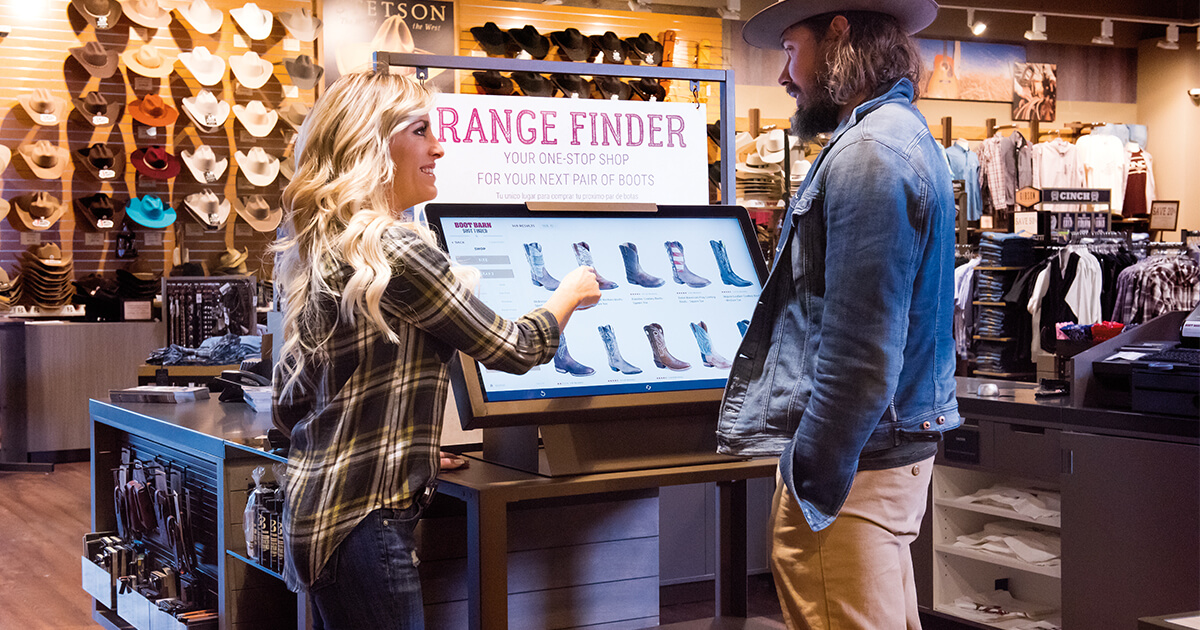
x,y
1173,118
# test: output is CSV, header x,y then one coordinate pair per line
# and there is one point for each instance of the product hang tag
x,y
103,224
41,223
102,22
210,120
99,120
107,173
48,119
210,177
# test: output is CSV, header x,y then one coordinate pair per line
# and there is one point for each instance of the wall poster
x,y
1035,91
968,71
355,28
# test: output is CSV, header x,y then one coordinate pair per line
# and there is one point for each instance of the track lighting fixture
x,y
639,5
1172,40
731,11
1106,31
1038,34
977,28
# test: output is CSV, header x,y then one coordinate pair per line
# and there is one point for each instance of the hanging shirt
x,y
964,165
1103,160
1055,165
1139,183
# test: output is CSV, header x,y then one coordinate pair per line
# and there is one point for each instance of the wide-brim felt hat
x,y
97,111
99,61
765,29
4,208
256,118
45,108
649,89
207,209
612,46
37,211
204,165
754,165
101,211
150,211
46,160
153,110
155,162
572,45
149,61
206,112
146,13
251,70
492,82
572,85
534,84
102,14
644,49
257,166
258,213
301,23
287,167
202,17
5,157
102,161
254,20
493,40
207,68
294,113
531,41
303,72
770,146
610,87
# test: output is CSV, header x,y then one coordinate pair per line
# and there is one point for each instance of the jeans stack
x,y
1002,257
999,249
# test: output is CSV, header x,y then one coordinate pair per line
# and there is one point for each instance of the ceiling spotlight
x,y
977,28
1106,31
1038,34
639,5
1172,40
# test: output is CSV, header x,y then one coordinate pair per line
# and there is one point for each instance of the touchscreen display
x,y
676,296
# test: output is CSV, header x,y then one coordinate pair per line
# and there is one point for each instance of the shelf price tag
x,y
1025,223
1164,215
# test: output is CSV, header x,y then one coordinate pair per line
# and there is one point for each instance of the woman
x,y
374,311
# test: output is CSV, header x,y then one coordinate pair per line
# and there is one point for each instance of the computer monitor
x,y
682,283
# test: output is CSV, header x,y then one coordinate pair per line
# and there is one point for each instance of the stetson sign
x,y
356,28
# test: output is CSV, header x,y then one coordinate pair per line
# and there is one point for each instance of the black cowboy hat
x,y
534,84
572,85
532,42
572,45
102,162
493,40
608,87
100,210
492,82
644,49
648,89
612,47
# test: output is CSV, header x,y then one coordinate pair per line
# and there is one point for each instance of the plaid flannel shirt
x,y
365,423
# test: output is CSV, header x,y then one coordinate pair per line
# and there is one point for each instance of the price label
x,y
99,120
31,238
143,84
1025,223
95,239
136,310
48,119
102,22
153,239
41,224
291,44
1164,215
107,173
191,229
210,120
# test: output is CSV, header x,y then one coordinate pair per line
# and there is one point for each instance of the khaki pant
x,y
856,573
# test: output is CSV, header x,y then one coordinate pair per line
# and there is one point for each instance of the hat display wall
x,y
202,17
301,23
612,46
258,213
96,59
37,211
644,49
150,211
294,114
572,45
208,68
254,20
47,161
149,61
207,209
492,82
256,118
102,162
100,211
251,70
765,29
204,165
153,110
572,85
43,107
532,42
304,73
534,84
206,111
146,13
492,40
155,162
257,166
95,109
102,14
393,36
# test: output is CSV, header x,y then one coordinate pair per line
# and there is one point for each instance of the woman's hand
x,y
578,289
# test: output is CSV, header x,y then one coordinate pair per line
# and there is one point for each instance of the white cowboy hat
x,y
102,14
301,23
767,26
43,107
256,118
208,209
257,22
206,111
148,61
251,70
208,68
202,17
770,146
258,213
393,36
204,165
259,168
146,13
755,165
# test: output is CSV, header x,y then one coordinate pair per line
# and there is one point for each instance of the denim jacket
x,y
850,349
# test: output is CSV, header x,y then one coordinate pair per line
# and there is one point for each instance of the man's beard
x,y
816,115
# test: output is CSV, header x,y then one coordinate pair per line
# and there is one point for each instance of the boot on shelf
x,y
615,361
565,364
743,326
537,267
583,255
633,268
679,270
727,275
662,357
707,354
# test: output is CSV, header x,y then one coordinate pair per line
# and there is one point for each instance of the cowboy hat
x,y
206,111
102,162
255,21
572,45
43,107
207,209
96,59
38,211
204,165
393,36
101,212
612,46
755,165
648,89
97,111
770,146
208,68
765,29
4,208
152,110
5,157
155,162
304,73
301,23
251,70
257,166
202,17
46,160
149,211
644,49
233,260
287,167
493,40
572,85
294,113
492,82
534,84
256,118
258,213
148,61
612,88
102,14
532,42
146,13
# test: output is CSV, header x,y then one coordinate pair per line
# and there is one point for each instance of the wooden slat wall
x,y
35,55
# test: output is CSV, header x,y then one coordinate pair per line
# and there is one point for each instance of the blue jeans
x,y
371,580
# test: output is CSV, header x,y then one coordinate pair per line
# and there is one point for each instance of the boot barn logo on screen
x,y
473,227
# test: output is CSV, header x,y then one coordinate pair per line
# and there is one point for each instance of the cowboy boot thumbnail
x,y
633,268
743,326
658,344
583,255
537,267
727,275
707,354
679,270
615,361
565,364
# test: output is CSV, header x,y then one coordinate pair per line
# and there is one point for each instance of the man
x,y
847,368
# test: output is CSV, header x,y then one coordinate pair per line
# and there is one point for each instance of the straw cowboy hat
x,y
38,211
207,209
101,212
258,213
102,162
146,13
102,14
257,166
255,21
47,161
256,118
97,111
148,61
304,73
99,61
301,23
43,107
149,211
251,70
208,68
204,165
155,162
153,111
767,26
202,17
770,146
233,260
393,36
206,111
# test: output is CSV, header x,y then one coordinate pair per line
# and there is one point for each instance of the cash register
x,y
1161,377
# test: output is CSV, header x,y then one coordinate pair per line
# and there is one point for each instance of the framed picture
x,y
1035,91
1164,215
356,28
968,71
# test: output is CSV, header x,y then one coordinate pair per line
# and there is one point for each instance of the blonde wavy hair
x,y
337,208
